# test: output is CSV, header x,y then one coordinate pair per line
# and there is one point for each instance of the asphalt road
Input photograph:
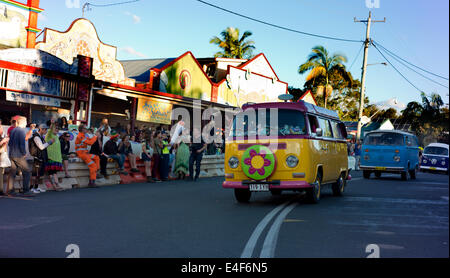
x,y
386,217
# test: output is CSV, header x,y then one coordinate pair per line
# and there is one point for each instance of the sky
x,y
415,30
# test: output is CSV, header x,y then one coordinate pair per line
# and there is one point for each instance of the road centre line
x,y
270,243
250,246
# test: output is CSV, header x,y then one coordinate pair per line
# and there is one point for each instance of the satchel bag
x,y
4,160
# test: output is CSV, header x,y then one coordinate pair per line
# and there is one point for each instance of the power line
x,y
87,5
277,26
112,4
356,58
406,66
404,77
409,63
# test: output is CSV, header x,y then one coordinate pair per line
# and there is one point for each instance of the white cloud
x,y
136,19
391,103
132,51
42,17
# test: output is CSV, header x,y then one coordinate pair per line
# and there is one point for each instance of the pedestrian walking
x,y
17,156
54,155
198,146
357,154
39,157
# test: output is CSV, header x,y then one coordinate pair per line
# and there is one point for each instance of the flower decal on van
x,y
258,162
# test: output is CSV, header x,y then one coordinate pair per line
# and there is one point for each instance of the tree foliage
x,y
233,45
327,73
428,119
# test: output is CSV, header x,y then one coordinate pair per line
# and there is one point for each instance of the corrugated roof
x,y
140,69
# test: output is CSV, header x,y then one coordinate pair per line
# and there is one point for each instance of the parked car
x,y
390,151
435,158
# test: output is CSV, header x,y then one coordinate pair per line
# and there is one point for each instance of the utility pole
x,y
364,68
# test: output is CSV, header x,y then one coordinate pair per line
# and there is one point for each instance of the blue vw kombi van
x,y
435,158
390,151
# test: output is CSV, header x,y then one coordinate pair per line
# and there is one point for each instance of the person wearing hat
x,y
81,148
111,150
38,150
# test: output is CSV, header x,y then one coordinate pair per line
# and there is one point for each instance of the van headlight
x,y
424,161
292,161
397,158
233,162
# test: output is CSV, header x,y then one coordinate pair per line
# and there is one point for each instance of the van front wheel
x,y
313,194
242,195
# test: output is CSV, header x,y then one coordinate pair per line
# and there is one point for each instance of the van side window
x,y
337,132
408,141
313,124
326,128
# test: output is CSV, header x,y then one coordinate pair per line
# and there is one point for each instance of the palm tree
x,y
322,66
234,46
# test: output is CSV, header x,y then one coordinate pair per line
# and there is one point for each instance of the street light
x,y
383,63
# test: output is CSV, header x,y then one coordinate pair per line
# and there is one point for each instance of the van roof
x,y
301,106
390,131
438,145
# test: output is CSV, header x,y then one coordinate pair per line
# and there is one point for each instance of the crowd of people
x,y
39,153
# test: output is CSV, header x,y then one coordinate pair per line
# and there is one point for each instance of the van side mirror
x,y
319,132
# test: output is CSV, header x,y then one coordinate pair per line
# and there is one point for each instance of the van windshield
x,y
435,151
384,139
258,123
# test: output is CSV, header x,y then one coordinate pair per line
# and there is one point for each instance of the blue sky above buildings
x,y
415,30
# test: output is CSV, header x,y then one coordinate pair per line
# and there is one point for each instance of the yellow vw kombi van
x,y
273,147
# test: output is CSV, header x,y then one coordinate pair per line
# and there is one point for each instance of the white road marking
x,y
270,243
395,200
250,246
445,198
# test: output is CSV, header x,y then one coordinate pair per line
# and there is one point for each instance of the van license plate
x,y
259,187
432,168
380,168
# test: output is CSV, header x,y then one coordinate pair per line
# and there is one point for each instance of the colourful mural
x,y
13,23
185,77
82,39
154,111
242,86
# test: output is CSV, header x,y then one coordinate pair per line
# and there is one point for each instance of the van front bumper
x,y
382,169
279,185
433,168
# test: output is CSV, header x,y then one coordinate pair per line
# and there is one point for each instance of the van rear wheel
x,y
366,174
242,195
339,186
378,174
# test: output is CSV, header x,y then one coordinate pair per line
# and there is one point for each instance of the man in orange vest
x,y
81,148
